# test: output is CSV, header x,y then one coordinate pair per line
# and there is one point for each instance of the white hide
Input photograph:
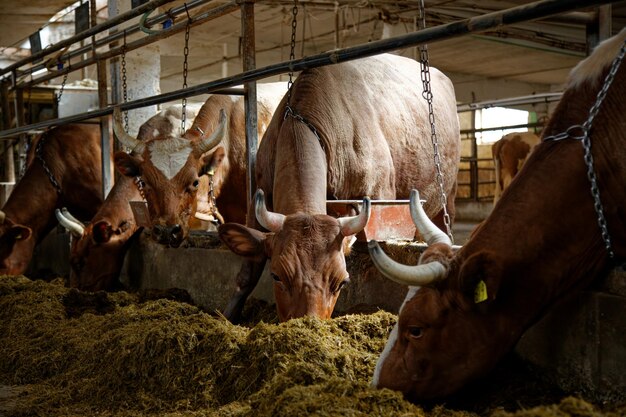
x,y
603,55
169,156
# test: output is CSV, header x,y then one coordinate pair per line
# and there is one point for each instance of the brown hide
x,y
170,200
541,242
72,154
375,141
509,154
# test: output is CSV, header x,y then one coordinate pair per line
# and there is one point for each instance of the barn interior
x,y
61,61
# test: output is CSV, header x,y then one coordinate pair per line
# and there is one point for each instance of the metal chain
x,y
185,71
292,53
586,141
140,186
428,96
124,81
585,128
62,88
212,199
44,165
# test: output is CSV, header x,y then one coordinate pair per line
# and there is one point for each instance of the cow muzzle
x,y
171,235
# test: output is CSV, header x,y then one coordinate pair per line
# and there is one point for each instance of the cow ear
x,y
211,162
244,241
102,231
19,232
128,165
480,279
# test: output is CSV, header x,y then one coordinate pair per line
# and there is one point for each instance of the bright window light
x,y
496,117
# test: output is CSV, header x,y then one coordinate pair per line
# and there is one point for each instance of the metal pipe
x,y
250,95
119,35
84,117
209,15
151,5
512,101
510,16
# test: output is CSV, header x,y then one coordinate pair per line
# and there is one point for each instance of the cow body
x,y
509,154
373,139
540,243
171,169
97,257
72,153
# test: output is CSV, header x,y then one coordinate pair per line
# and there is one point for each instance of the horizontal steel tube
x,y
476,24
179,27
87,33
118,36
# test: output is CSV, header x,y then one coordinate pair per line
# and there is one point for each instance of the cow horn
x,y
66,213
75,229
206,144
354,224
418,275
429,231
2,216
124,138
271,221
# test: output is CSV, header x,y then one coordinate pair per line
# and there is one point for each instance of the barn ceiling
x,y
534,56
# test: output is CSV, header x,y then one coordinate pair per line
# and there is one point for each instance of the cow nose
x,y
176,235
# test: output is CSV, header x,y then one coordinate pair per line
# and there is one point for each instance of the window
x,y
495,117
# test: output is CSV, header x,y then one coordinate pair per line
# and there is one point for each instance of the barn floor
x,y
67,353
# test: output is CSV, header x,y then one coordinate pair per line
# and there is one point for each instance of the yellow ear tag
x,y
480,292
211,172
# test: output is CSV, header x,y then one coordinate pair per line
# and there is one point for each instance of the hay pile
x,y
66,353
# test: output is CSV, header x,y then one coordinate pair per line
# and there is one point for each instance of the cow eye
x,y
275,277
416,332
196,183
343,284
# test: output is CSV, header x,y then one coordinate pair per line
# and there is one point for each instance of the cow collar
x,y
139,183
44,165
289,111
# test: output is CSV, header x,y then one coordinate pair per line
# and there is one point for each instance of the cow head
x,y
306,252
170,170
16,246
442,337
97,251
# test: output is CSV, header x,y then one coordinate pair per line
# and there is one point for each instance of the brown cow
x,y
542,241
171,168
97,257
509,154
355,129
69,156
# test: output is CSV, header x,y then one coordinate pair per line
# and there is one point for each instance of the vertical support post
x,y
474,177
250,93
9,163
114,67
20,118
105,134
600,28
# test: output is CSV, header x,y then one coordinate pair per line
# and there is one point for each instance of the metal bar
x,y
510,16
82,117
119,35
512,101
250,95
105,136
375,202
209,15
151,5
9,162
489,129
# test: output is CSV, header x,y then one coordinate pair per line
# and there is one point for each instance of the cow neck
x,y
36,213
300,178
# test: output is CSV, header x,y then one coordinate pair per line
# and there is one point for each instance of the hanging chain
x,y
44,165
292,53
185,71
124,82
62,88
140,186
428,96
217,217
584,129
